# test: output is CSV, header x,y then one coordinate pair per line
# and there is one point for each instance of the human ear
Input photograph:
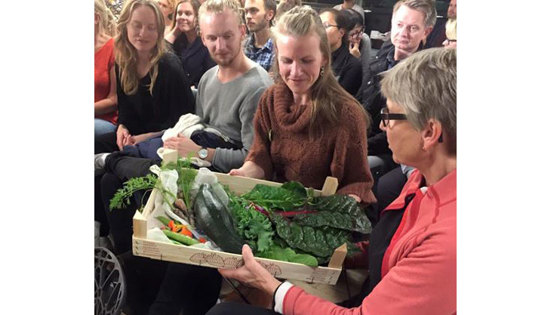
x,y
431,134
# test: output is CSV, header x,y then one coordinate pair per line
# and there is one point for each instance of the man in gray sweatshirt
x,y
228,94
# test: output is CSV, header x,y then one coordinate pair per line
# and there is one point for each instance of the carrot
x,y
186,232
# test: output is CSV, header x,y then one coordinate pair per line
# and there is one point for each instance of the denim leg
x,y
103,126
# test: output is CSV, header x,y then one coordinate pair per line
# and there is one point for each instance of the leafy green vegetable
x,y
288,254
289,196
251,225
121,199
317,241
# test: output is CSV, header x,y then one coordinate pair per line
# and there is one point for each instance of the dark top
x,y
194,57
372,100
437,36
171,98
347,69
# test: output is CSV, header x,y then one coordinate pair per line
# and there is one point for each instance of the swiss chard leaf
x,y
288,254
291,195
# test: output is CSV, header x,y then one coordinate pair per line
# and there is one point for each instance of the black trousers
x,y
189,289
232,308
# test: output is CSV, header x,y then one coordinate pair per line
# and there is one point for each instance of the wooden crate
x,y
142,246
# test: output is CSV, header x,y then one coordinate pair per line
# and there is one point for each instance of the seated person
x,y
411,255
359,42
301,134
347,68
105,85
152,89
351,4
258,46
186,41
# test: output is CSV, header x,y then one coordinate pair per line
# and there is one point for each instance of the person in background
x,y
351,4
411,22
186,42
105,79
307,127
359,42
411,255
166,7
347,68
259,15
283,7
451,25
152,89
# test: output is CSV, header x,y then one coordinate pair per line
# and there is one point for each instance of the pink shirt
x,y
419,267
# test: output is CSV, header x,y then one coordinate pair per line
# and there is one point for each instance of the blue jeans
x,y
103,127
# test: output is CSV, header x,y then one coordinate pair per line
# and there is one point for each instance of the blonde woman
x,y
152,88
105,80
307,127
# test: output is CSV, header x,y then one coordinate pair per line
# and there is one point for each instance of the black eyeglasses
x,y
386,116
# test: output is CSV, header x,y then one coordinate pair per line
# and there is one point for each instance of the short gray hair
x,y
428,7
425,86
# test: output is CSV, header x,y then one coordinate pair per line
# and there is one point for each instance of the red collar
x,y
446,188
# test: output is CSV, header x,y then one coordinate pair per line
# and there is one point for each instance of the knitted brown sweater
x,y
282,147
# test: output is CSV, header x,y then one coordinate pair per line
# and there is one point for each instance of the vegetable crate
x,y
142,246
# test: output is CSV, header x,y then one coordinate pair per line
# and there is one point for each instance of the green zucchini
x,y
213,217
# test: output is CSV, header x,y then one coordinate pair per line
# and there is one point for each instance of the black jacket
x,y
372,100
195,58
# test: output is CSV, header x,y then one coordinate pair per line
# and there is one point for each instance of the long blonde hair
x,y
326,92
106,18
126,55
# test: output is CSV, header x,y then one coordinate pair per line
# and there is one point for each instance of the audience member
x,y
438,35
306,126
105,79
359,42
259,15
167,7
283,7
347,68
451,25
351,4
152,89
412,21
186,42
411,254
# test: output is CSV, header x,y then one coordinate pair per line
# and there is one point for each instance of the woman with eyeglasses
x,y
347,68
411,254
359,42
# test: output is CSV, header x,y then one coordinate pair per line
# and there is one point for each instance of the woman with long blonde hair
x,y
105,80
152,88
307,127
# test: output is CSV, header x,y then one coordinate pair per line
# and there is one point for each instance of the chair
x,y
110,288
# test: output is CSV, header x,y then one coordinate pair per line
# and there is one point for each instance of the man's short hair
x,y
219,6
427,7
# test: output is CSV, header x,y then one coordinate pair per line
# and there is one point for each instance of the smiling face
x,y
408,29
299,61
142,29
221,33
186,18
256,15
